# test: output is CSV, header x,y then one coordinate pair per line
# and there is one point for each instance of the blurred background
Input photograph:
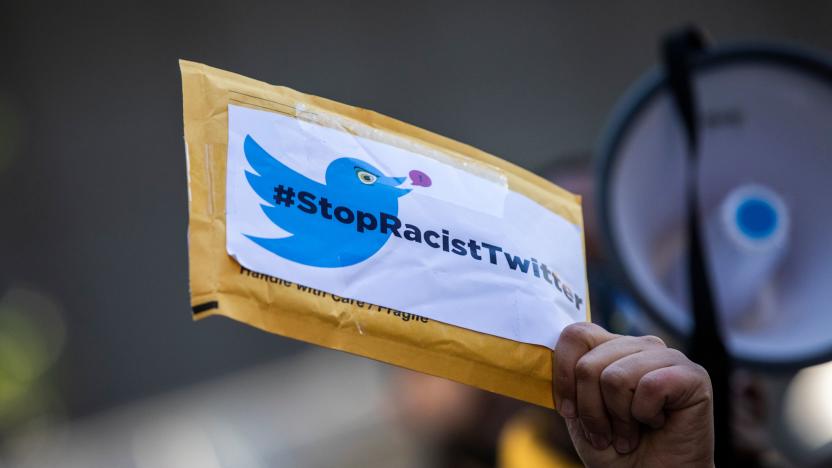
x,y
100,363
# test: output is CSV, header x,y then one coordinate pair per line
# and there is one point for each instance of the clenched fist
x,y
632,401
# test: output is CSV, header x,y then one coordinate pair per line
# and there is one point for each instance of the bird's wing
x,y
269,173
308,250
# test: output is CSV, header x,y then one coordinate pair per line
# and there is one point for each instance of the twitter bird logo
x,y
321,217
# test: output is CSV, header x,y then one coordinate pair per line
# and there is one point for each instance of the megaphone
x,y
764,181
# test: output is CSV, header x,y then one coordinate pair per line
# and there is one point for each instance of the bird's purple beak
x,y
419,178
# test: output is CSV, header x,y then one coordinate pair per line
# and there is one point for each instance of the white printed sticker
x,y
377,223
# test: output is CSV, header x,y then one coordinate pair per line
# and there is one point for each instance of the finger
x,y
674,388
617,384
575,341
578,435
620,379
600,423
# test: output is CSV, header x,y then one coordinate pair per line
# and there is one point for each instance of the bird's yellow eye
x,y
365,177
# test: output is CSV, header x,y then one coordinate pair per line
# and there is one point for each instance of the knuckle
x,y
705,379
653,340
677,356
701,370
652,385
614,378
586,369
576,332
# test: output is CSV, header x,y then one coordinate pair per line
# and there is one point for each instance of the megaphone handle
x,y
679,49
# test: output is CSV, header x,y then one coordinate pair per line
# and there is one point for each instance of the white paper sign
x,y
380,224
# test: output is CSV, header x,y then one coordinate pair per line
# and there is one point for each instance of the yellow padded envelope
x,y
219,285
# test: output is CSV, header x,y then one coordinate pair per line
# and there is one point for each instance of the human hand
x,y
632,401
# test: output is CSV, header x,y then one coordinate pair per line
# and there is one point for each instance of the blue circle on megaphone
x,y
756,218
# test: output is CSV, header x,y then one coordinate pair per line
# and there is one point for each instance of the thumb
x,y
578,435
589,455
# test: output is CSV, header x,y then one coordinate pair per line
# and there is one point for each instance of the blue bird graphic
x,y
316,239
